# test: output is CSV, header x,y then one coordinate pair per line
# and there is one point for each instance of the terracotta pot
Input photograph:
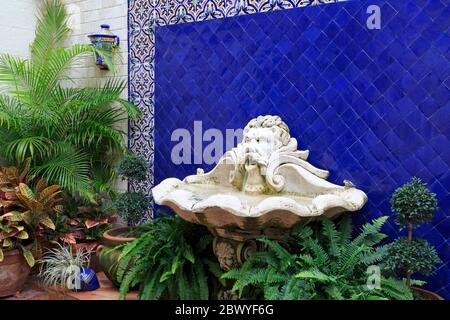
x,y
116,236
426,295
107,256
93,263
14,272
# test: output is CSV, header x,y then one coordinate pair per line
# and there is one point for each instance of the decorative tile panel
x,y
371,105
144,17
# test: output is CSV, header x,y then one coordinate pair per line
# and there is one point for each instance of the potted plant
x,y
24,216
63,269
130,206
414,205
84,222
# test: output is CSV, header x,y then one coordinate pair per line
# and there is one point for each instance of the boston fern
x,y
172,260
70,133
322,264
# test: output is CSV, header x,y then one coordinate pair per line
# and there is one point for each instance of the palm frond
x,y
69,170
51,31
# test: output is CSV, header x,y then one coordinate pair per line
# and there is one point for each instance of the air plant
x,y
60,268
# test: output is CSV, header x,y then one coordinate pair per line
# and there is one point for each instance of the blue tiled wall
x,y
371,105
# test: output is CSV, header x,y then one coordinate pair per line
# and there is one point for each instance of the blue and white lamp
x,y
105,40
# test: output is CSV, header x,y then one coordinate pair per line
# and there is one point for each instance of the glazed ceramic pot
x,y
14,272
108,255
88,280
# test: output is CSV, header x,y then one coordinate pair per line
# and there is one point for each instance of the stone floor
x,y
107,291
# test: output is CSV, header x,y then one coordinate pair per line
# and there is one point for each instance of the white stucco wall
x,y
17,25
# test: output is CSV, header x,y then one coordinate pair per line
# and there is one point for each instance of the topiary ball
x,y
131,206
134,168
413,203
416,256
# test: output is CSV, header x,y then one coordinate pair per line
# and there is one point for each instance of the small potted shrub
x,y
63,269
24,216
414,205
130,206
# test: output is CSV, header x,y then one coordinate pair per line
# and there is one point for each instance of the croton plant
x,y
25,210
83,220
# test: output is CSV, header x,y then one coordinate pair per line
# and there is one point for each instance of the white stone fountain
x,y
264,186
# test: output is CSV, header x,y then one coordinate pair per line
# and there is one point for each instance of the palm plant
x,y
70,133
322,264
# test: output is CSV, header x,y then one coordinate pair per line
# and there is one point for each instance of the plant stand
x,y
233,246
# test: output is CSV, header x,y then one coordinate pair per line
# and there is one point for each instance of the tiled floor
x,y
107,291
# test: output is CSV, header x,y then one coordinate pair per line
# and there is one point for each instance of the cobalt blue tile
x,y
441,95
374,103
417,94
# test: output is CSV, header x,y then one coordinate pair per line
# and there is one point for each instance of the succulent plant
x,y
59,266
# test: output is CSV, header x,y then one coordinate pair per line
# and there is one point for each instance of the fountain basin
x,y
264,186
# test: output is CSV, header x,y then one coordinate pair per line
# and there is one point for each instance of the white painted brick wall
x,y
87,16
17,25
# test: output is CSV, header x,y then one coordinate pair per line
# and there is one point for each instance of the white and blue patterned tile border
x,y
146,15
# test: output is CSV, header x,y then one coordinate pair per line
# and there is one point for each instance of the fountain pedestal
x,y
263,187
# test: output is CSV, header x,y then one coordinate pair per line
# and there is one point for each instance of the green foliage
x,y
25,210
170,260
84,220
413,203
131,206
59,266
323,263
411,256
70,133
134,168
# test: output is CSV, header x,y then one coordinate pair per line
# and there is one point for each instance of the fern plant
x,y
70,133
171,260
323,263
